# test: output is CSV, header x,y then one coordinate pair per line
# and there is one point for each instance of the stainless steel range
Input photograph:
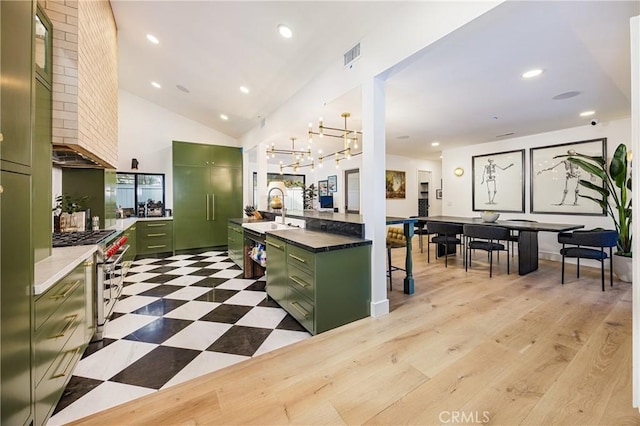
x,y
110,268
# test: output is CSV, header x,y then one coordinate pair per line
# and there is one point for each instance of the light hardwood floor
x,y
464,349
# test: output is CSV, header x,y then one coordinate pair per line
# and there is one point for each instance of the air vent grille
x,y
352,54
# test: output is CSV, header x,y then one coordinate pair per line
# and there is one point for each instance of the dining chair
x,y
514,235
589,244
446,234
420,229
487,238
395,239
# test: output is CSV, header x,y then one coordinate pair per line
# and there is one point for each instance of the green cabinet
x,y
235,243
99,185
132,240
62,332
41,217
322,290
16,60
154,236
16,248
207,192
276,270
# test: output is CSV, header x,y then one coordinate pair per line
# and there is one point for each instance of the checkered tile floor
x,y
178,318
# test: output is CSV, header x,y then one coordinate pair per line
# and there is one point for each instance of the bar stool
x,y
395,239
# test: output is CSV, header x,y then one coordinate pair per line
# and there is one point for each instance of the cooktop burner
x,y
67,239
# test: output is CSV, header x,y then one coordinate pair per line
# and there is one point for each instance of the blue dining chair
x,y
589,244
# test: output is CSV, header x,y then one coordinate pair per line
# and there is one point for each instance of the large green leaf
x,y
618,166
588,167
599,189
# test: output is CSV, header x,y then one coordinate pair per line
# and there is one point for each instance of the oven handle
x,y
114,262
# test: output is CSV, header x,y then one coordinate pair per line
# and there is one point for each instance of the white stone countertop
x,y
55,267
63,260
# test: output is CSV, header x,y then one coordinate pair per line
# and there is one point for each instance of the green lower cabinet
x,y
154,236
276,270
61,334
132,240
322,290
235,244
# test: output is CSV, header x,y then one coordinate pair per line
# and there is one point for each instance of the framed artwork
x,y
396,184
497,181
555,187
332,182
323,187
438,194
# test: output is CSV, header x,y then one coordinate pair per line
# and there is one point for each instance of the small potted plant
x,y
616,187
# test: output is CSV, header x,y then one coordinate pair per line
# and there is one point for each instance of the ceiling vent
x,y
352,54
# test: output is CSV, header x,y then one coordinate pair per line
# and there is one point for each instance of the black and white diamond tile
x,y
178,318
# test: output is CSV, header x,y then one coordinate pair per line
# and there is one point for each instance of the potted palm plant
x,y
616,186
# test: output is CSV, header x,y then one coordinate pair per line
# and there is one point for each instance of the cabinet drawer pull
x,y
157,246
71,288
299,282
157,235
300,310
299,259
68,366
155,225
269,243
70,320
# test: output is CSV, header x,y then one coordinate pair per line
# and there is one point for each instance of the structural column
x,y
373,199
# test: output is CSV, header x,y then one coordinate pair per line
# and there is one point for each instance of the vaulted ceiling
x,y
464,89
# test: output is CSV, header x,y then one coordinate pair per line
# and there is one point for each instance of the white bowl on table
x,y
489,216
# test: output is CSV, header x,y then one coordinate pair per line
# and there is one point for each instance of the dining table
x,y
527,235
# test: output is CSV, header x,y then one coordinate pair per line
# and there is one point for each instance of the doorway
x,y
352,191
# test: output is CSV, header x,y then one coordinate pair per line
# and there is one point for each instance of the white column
x,y
635,146
373,192
262,177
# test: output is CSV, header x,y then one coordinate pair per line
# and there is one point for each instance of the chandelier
x,y
349,137
297,156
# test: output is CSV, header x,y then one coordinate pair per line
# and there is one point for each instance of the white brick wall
x,y
85,76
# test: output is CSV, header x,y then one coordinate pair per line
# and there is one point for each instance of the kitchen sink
x,y
262,227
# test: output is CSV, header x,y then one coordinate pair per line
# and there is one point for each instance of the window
x,y
134,189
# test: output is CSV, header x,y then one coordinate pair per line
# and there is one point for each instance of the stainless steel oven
x,y
110,272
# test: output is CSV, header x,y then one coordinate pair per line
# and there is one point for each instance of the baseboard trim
x,y
380,308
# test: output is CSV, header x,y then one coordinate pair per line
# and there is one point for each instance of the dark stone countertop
x,y
316,241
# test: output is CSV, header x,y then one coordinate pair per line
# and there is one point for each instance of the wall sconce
x,y
134,164
458,171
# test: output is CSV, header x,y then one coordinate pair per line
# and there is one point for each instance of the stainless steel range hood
x,y
74,156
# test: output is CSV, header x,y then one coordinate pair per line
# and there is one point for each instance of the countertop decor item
x,y
489,216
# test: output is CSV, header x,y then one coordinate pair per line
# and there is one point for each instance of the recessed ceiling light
x,y
435,143
587,113
532,73
156,85
285,31
153,39
225,117
244,89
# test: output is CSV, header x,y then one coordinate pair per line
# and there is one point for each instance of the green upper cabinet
x,y
196,154
16,62
41,216
43,46
99,185
207,191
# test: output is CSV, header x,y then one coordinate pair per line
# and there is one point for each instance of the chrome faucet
x,y
283,208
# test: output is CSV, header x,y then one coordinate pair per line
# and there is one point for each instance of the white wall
x,y
146,132
409,205
457,192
